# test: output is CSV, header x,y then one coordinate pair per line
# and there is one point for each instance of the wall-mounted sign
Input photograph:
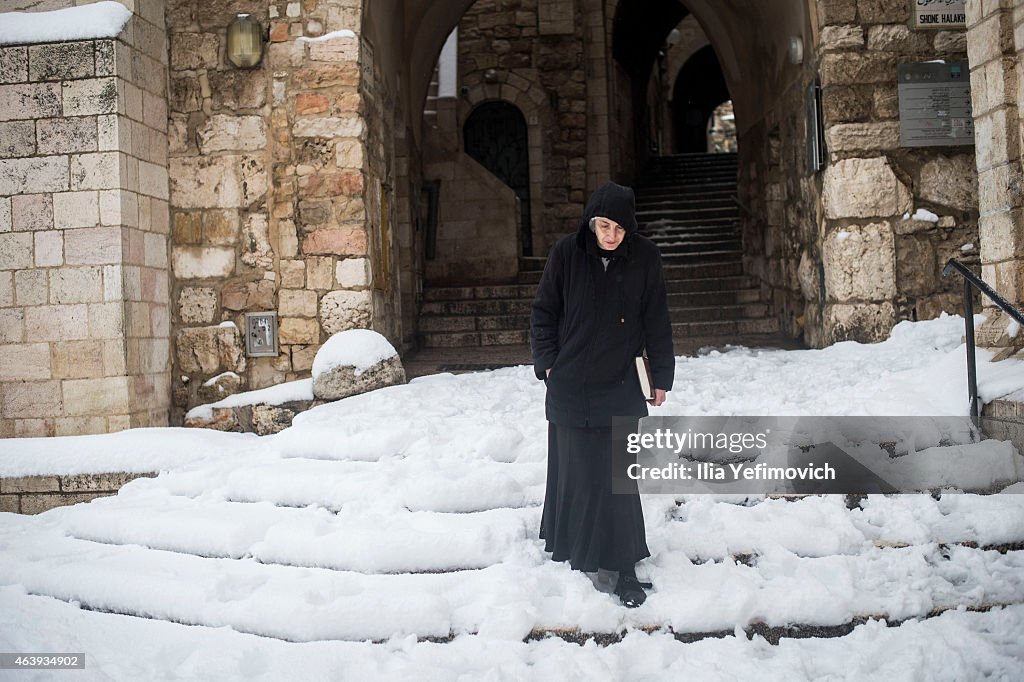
x,y
935,104
938,13
261,334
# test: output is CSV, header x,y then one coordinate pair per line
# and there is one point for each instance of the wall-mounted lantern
x,y
796,50
245,41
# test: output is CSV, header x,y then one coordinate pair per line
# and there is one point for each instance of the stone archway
x,y
529,99
495,135
699,88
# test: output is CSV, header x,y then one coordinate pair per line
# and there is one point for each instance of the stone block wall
x,y
996,47
276,189
847,233
379,109
478,234
83,233
36,494
535,49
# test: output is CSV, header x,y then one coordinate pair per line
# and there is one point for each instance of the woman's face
x,y
609,233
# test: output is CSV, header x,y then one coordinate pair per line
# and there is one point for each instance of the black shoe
x,y
630,593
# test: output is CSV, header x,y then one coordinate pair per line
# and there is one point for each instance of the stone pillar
x,y
271,189
83,233
596,55
995,40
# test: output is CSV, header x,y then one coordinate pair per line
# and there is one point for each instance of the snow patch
x,y
211,381
287,392
134,450
98,20
925,215
343,33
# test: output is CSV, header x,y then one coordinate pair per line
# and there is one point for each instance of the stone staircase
x,y
685,204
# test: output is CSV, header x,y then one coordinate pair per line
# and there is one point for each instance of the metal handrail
x,y
743,207
970,279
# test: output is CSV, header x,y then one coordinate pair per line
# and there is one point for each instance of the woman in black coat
x,y
601,303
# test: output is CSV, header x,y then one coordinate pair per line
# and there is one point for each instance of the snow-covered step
x,y
447,485
304,604
929,648
362,538
814,526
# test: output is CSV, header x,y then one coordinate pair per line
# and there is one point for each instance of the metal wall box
x,y
261,334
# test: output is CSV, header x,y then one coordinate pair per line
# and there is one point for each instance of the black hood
x,y
611,201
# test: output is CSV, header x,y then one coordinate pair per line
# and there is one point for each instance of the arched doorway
x,y
495,136
699,89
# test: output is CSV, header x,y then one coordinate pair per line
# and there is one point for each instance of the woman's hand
x,y
659,397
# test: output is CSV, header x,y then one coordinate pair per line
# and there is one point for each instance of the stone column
x,y
596,56
272,189
83,233
995,40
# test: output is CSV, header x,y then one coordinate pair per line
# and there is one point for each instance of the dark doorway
x,y
698,90
495,135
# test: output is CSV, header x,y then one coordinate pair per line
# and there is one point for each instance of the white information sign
x,y
938,13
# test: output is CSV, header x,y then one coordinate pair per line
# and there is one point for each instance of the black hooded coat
x,y
589,323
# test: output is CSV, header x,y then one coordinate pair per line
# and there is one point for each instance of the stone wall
x,y
380,110
880,265
478,234
83,233
839,253
36,494
780,210
508,52
276,197
996,47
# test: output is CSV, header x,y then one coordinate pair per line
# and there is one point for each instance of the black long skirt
x,y
583,521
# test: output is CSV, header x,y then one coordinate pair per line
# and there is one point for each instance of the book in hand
x,y
643,372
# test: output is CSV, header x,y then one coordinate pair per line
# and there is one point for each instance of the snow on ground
x,y
412,511
287,392
135,450
97,20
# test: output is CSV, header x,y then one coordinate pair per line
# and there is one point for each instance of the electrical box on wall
x,y
261,334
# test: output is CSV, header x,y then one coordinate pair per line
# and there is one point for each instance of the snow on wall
x,y
98,20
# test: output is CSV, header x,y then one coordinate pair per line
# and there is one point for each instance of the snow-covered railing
x,y
970,279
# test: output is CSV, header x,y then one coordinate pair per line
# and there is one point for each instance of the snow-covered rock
x,y
263,411
355,361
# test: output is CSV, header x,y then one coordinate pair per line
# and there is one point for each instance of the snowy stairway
x,y
174,549
315,603
356,525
